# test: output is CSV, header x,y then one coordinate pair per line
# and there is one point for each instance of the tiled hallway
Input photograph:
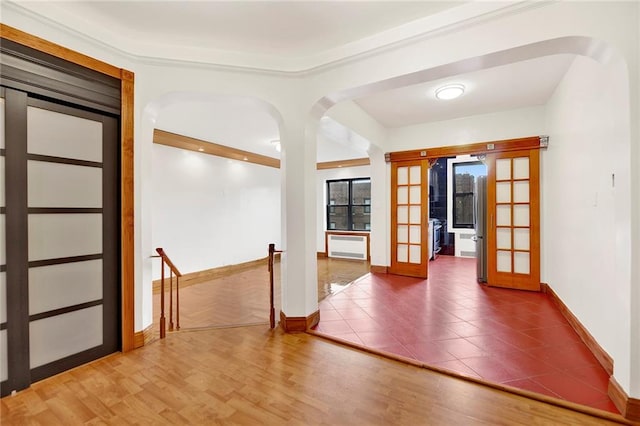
x,y
510,337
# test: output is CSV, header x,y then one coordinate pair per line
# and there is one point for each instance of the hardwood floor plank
x,y
253,375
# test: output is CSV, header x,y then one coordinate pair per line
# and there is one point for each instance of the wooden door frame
x,y
516,281
479,148
126,163
412,270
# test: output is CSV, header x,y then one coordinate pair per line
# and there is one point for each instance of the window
x,y
464,178
349,204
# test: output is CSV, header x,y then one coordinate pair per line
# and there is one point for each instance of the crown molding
x,y
454,19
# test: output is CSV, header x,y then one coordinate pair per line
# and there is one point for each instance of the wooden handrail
x,y
272,310
172,270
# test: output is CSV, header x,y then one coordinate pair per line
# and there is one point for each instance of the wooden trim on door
x,y
58,51
127,210
530,281
532,142
126,117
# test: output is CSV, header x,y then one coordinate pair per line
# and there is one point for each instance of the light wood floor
x,y
251,376
242,298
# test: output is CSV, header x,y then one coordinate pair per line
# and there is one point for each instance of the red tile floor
x,y
510,337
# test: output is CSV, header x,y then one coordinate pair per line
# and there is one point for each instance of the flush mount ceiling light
x,y
450,91
276,144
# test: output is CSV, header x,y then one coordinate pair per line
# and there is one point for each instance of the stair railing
x,y
272,311
172,270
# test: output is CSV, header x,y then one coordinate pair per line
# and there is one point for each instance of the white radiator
x,y
347,246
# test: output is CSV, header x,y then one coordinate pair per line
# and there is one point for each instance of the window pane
x,y
338,193
338,217
361,192
360,220
463,211
464,178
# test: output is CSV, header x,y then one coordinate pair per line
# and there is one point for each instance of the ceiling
x,y
518,85
291,29
282,28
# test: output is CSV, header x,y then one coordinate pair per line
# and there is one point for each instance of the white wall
x,y
585,205
321,194
602,30
509,124
210,211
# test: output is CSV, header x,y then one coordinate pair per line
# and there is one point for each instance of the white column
x,y
380,213
298,171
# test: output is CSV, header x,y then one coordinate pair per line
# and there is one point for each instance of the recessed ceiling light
x,y
450,91
201,149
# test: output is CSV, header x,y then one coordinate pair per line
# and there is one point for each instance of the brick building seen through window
x,y
349,204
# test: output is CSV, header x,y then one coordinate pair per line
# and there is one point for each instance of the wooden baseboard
x,y
628,407
298,324
213,273
378,269
601,355
322,255
141,338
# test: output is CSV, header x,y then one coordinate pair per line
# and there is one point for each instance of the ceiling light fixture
x,y
201,149
276,144
450,91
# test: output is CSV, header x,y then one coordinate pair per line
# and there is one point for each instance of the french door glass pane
x,y
503,215
403,253
521,262
504,238
414,195
62,135
503,169
414,234
414,215
403,195
3,356
64,185
521,238
503,192
521,215
403,175
414,175
414,254
403,214
54,236
67,284
521,191
403,234
504,261
521,168
56,337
